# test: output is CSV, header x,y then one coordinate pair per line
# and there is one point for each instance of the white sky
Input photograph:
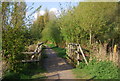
x,y
42,12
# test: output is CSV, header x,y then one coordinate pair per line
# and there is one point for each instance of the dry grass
x,y
100,54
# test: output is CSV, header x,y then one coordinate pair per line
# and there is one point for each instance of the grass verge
x,y
97,70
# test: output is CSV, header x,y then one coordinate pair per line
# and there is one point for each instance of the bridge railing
x,y
34,56
75,53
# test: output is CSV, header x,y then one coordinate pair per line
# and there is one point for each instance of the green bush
x,y
51,32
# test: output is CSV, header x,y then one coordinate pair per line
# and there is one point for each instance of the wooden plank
x,y
36,48
30,61
29,53
78,56
74,44
83,54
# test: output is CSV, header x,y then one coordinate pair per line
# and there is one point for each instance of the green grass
x,y
98,70
81,73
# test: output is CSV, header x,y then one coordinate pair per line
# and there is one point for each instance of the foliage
x,y
51,45
51,32
39,24
37,27
99,70
90,21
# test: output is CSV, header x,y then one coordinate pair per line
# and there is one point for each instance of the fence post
x,y
114,53
83,54
78,57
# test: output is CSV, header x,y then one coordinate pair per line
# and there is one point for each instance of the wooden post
x,y
68,49
36,49
90,37
83,54
114,53
115,49
78,57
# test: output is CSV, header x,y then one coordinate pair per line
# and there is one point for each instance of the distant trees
x,y
46,16
51,33
39,25
44,27
87,24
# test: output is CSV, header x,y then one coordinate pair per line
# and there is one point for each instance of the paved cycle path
x,y
57,68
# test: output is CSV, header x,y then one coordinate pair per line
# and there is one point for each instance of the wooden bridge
x,y
74,52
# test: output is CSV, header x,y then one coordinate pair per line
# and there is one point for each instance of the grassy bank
x,y
96,70
29,71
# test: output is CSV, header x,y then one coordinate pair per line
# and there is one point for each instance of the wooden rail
x,y
75,53
34,56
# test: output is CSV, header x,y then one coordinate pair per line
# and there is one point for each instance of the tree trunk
x,y
112,44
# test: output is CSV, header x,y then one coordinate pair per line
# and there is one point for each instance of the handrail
x,y
77,50
37,52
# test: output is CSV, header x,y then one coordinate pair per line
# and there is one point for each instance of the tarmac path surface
x,y
57,67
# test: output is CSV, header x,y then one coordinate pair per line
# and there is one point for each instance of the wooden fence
x,y
34,56
75,53
101,54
